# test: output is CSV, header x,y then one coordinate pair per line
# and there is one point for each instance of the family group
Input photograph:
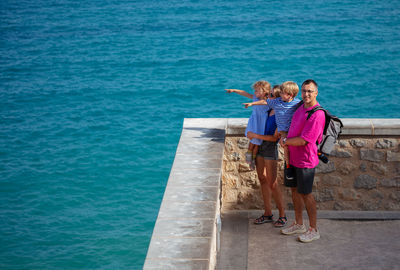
x,y
279,117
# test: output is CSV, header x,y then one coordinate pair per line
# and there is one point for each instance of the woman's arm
x,y
240,92
270,138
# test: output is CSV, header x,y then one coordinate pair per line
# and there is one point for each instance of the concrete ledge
x,y
351,126
186,233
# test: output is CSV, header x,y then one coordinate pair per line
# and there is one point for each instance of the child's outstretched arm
x,y
240,92
259,102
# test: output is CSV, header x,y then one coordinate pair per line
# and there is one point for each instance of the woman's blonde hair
x,y
290,88
264,86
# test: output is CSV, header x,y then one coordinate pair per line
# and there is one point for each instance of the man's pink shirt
x,y
310,130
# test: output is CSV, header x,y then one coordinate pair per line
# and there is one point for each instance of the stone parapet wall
x,y
363,172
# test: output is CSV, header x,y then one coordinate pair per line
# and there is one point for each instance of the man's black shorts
x,y
303,179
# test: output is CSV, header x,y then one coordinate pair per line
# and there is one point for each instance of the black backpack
x,y
332,130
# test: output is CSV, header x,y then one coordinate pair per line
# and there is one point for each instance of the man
x,y
301,141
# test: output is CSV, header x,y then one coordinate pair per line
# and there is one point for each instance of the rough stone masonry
x,y
363,174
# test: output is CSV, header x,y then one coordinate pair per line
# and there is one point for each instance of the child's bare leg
x,y
253,157
249,154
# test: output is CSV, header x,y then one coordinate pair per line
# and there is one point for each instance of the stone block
x,y
369,205
249,199
243,143
343,143
197,177
372,155
394,182
324,195
376,194
341,153
385,143
174,264
363,167
358,143
325,167
317,181
190,194
393,156
230,166
235,156
230,196
346,167
379,169
395,195
391,206
230,180
229,146
332,180
178,248
175,210
365,181
249,180
244,167
348,194
342,206
184,228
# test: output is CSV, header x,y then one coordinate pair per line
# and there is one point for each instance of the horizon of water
x,y
93,97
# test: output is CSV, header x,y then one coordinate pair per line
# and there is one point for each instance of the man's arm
x,y
240,92
295,141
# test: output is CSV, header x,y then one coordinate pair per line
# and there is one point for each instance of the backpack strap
x,y
316,108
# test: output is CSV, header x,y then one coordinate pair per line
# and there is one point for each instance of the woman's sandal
x,y
280,222
263,219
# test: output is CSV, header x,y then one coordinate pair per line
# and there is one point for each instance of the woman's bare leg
x,y
265,190
271,175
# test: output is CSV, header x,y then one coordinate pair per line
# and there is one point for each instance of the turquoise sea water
x,y
93,96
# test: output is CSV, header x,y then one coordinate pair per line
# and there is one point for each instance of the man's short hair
x,y
307,82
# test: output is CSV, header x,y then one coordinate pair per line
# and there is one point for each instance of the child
x,y
257,119
284,107
276,92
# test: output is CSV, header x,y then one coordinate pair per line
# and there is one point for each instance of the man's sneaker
x,y
310,235
294,228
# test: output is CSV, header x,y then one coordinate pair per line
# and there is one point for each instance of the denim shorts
x,y
303,179
268,150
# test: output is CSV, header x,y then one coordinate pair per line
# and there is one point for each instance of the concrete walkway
x,y
349,240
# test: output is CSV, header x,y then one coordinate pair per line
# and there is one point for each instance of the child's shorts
x,y
268,150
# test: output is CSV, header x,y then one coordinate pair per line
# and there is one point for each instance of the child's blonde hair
x,y
276,90
264,86
290,88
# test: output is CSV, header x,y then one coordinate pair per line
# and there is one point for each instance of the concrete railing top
x,y
351,126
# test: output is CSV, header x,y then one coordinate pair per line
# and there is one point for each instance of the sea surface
x,y
93,95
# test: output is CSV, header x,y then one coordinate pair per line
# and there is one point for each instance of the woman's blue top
x,y
270,125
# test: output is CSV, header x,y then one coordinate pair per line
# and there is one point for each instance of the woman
x,y
267,164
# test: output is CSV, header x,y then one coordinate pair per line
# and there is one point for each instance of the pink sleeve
x,y
314,127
